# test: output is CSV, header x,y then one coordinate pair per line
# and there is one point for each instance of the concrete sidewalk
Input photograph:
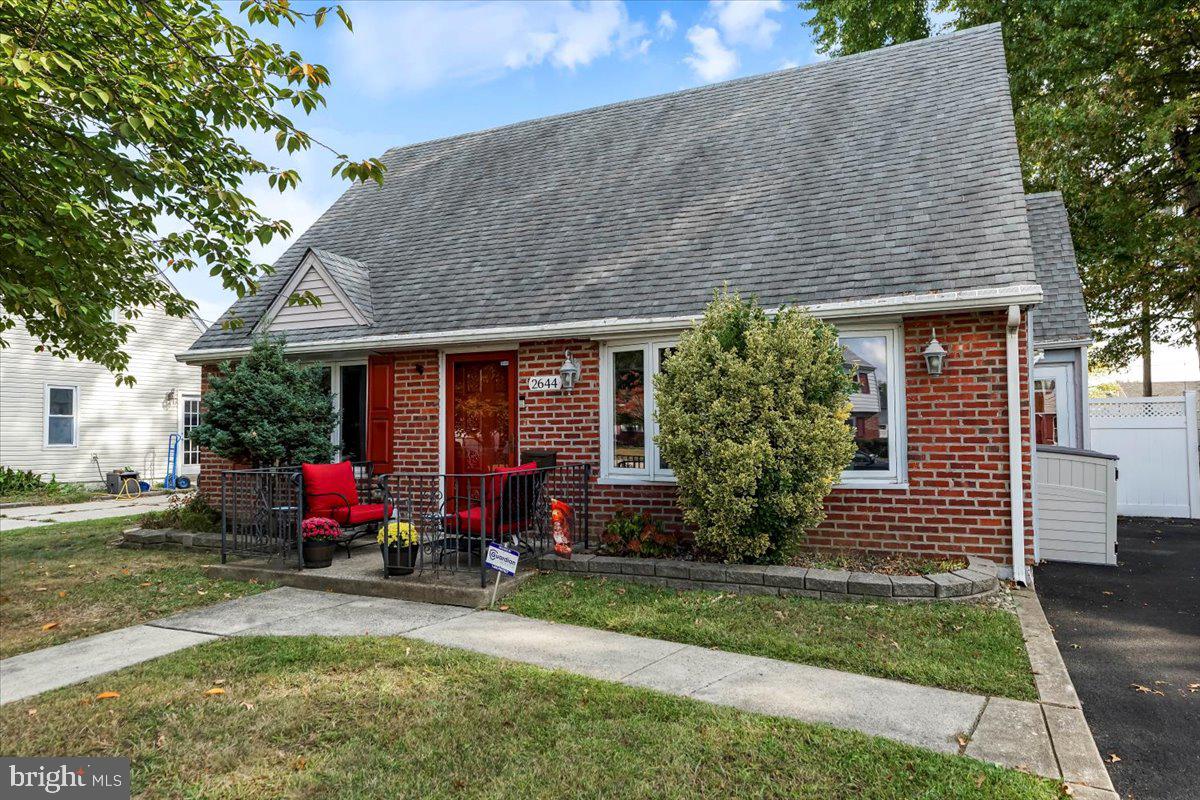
x,y
1012,733
12,519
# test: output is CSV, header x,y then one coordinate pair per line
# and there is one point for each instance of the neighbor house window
x,y
628,428
872,358
62,416
191,418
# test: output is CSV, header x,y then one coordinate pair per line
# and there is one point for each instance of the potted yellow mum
x,y
399,543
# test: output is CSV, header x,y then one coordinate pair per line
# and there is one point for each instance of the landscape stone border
x,y
974,583
170,538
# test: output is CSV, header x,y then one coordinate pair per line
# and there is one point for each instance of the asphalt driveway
x,y
1131,640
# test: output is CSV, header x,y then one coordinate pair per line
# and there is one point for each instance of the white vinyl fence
x,y
1156,440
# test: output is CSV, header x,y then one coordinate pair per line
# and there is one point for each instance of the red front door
x,y
481,412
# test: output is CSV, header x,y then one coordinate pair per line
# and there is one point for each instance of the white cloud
x,y
666,24
746,21
415,46
710,59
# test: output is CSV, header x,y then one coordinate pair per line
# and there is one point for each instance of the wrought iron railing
x,y
262,508
455,516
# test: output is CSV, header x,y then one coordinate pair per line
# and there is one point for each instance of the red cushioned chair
x,y
509,507
330,490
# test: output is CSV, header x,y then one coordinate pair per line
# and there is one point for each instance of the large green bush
x,y
267,410
752,414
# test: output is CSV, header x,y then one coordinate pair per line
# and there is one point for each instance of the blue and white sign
x,y
502,559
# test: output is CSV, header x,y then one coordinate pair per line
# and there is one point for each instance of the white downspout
x,y
1016,490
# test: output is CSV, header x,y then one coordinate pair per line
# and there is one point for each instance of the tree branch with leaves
x,y
120,159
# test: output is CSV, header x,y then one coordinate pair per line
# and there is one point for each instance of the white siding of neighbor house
x,y
866,403
124,426
331,313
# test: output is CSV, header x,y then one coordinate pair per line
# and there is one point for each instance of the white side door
x,y
1054,404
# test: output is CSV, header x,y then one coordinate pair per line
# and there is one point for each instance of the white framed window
x,y
874,357
189,419
628,430
62,416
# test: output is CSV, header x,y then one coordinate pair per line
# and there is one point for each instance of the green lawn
x,y
73,579
954,646
53,494
389,718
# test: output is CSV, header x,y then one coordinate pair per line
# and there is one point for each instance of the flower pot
x,y
318,554
399,560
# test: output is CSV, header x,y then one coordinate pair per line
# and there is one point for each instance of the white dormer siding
x,y
336,308
331,313
866,402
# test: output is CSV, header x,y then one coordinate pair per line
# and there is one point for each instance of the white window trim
x,y
182,466
897,477
651,472
894,479
335,393
46,416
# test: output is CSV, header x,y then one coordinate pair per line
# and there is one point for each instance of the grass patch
x,y
954,646
383,718
53,494
74,576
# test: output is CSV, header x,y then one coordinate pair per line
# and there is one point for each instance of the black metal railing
x,y
262,509
455,516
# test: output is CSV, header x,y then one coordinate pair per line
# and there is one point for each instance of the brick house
x,y
881,191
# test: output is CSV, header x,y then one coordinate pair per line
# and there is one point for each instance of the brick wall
x,y
956,500
415,435
208,482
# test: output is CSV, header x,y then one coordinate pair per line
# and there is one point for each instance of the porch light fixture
x,y
935,357
569,372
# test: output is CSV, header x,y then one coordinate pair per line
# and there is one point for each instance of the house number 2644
x,y
545,383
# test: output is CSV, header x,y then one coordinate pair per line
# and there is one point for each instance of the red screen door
x,y
481,412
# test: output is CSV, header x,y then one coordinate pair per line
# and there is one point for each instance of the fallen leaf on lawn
x,y
1140,688
40,589
146,583
407,650
1194,687
963,740
979,779
1161,683
219,682
248,706
1066,789
49,626
301,764
215,690
1107,593
504,608
108,695
32,712
62,594
1159,693
123,572
201,591
70,566
1113,758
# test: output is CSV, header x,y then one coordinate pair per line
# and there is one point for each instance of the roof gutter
x,y
1016,480
896,305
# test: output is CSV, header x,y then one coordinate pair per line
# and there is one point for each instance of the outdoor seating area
x,y
432,523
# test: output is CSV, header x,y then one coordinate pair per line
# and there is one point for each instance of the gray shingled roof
x,y
354,278
1062,315
873,175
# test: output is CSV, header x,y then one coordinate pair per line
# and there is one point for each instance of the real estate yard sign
x,y
503,561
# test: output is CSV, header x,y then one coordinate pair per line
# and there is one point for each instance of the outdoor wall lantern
x,y
569,372
935,357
